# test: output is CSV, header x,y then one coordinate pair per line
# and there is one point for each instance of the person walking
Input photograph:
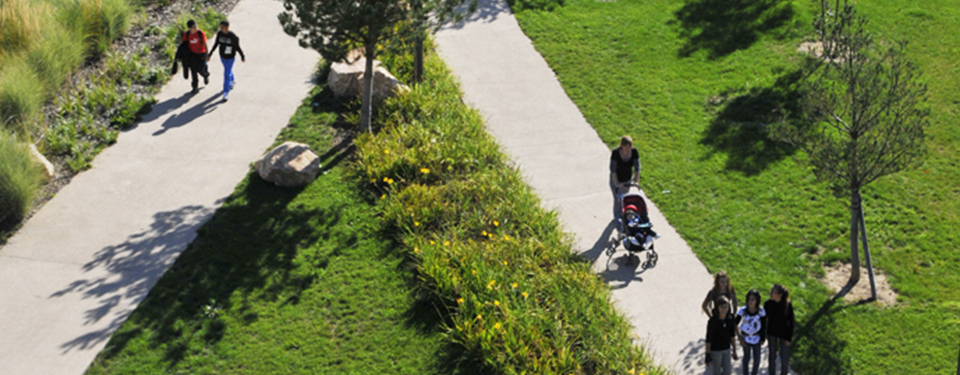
x,y
229,45
624,170
780,322
721,287
752,320
196,41
721,339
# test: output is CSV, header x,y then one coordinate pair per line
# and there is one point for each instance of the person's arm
x,y
636,166
216,43
613,172
707,303
763,327
733,347
707,358
790,322
236,44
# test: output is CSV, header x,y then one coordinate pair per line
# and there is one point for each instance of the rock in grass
x,y
48,170
289,165
346,80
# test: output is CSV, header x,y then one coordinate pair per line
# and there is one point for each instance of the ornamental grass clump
x,y
20,178
514,296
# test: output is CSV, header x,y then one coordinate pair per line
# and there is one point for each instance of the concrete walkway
x,y
76,270
563,158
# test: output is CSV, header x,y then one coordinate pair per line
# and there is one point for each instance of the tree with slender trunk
x,y
427,17
335,27
863,113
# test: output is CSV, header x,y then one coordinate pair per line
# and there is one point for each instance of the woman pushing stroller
x,y
630,208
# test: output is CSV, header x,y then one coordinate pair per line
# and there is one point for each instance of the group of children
x,y
751,325
193,54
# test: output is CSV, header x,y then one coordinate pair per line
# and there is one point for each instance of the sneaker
x,y
206,80
224,97
233,83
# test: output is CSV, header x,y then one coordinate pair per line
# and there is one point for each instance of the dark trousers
x,y
197,65
751,352
778,348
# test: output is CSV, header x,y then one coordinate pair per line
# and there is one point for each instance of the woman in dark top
x,y
721,343
624,170
780,322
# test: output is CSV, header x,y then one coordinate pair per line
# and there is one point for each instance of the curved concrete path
x,y
565,161
76,270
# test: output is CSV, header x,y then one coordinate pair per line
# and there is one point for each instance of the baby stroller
x,y
636,233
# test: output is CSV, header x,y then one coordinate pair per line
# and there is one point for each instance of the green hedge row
x,y
497,266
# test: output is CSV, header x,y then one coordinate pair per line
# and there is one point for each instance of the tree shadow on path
x,y
722,27
741,128
250,244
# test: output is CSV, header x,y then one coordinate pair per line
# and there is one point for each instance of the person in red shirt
x,y
196,59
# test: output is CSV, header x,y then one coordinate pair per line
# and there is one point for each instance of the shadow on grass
x,y
249,245
741,128
722,27
819,349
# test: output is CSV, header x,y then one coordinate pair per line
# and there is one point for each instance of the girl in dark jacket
x,y
721,342
780,322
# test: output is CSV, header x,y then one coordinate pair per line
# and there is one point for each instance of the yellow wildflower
x,y
424,170
459,300
386,151
479,317
631,371
504,263
446,243
514,285
484,233
431,242
416,223
416,250
506,237
473,272
496,303
491,284
497,325
525,295
383,196
496,223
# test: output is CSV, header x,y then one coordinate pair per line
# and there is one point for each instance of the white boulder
x,y
346,80
289,165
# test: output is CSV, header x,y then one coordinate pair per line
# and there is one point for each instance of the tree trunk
x,y
854,242
366,97
866,255
418,58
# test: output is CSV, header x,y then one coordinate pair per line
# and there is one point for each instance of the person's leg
x,y
194,82
727,362
784,358
773,352
756,358
714,365
227,75
746,358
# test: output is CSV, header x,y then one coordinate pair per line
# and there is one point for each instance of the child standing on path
x,y
229,45
721,331
196,41
753,321
721,287
780,322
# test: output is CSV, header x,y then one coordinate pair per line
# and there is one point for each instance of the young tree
x,y
863,115
335,27
428,16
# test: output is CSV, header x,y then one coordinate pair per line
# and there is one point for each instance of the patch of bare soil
x,y
838,274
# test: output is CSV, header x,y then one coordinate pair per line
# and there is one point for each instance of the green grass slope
x,y
692,80
284,281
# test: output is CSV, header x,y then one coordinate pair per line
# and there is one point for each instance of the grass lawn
x,y
687,78
284,281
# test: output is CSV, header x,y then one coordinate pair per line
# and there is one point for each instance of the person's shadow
x,y
185,117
